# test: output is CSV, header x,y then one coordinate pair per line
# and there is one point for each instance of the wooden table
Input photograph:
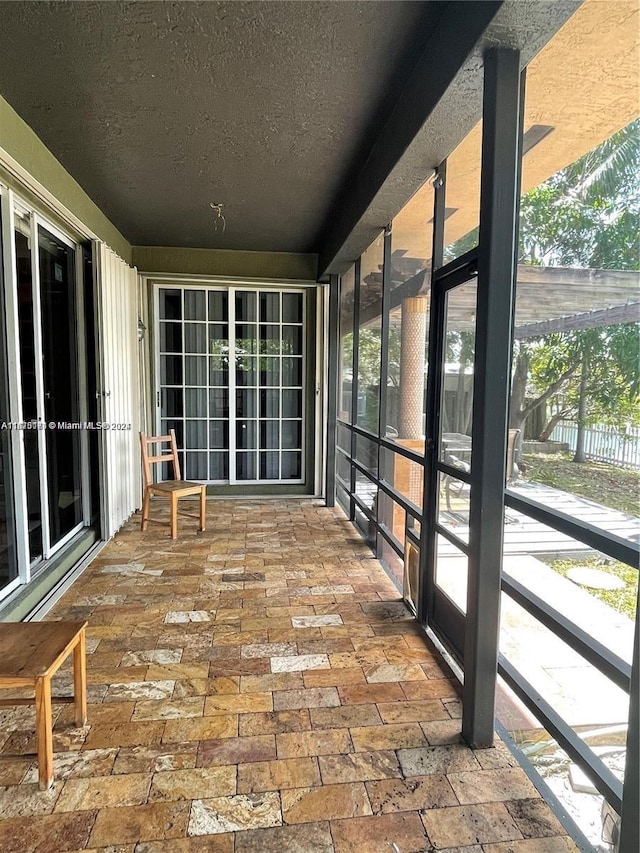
x,y
30,654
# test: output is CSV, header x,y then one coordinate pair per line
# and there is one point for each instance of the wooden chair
x,y
173,489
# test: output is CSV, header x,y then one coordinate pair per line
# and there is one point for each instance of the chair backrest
x,y
169,455
512,444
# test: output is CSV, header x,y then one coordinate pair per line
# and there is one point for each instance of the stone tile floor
x,y
260,688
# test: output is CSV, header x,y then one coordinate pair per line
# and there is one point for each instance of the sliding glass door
x,y
230,370
57,269
47,337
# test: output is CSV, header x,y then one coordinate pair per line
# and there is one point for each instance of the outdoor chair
x,y
454,487
173,489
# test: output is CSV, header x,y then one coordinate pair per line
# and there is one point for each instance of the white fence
x,y
603,443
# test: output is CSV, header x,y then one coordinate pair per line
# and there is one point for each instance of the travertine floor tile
x,y
392,736
202,728
437,759
153,759
59,832
230,814
298,744
274,722
359,767
534,818
305,805
359,693
124,734
164,709
90,762
462,825
140,823
485,786
277,775
137,690
533,845
420,792
312,697
303,838
298,663
377,834
104,791
27,800
334,677
242,703
190,784
412,711
222,843
259,688
236,750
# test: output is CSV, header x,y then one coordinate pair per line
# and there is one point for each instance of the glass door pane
x,y
32,438
60,383
251,415
456,402
8,557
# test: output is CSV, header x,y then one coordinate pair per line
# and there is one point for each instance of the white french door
x,y
230,368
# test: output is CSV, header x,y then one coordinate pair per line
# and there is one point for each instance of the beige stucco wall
x,y
224,262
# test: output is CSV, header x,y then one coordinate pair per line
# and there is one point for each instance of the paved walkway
x,y
260,687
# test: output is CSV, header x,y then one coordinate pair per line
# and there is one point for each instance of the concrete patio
x,y
260,687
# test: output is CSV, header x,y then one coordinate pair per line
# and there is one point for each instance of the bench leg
x,y
44,733
80,679
203,508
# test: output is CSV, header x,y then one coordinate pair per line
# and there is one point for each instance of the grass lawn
x,y
622,600
617,488
614,487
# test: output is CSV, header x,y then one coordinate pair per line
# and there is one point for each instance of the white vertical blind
x,y
119,387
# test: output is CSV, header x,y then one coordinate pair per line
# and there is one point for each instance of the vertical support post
x,y
332,388
384,505
630,827
496,271
429,491
413,337
354,383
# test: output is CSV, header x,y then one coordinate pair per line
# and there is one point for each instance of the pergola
x,y
549,299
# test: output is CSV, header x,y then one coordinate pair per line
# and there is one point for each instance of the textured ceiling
x,y
159,109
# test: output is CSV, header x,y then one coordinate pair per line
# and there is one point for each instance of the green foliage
x,y
588,216
613,377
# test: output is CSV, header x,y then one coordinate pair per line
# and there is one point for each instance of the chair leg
x,y
145,509
174,516
203,507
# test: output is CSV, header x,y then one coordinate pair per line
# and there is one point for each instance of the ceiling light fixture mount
x,y
219,221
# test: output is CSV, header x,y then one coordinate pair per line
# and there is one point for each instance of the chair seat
x,y
177,486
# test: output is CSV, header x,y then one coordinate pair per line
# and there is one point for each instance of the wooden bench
x,y
30,654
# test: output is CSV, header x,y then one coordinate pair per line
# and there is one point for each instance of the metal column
x,y
496,272
332,389
354,386
630,828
